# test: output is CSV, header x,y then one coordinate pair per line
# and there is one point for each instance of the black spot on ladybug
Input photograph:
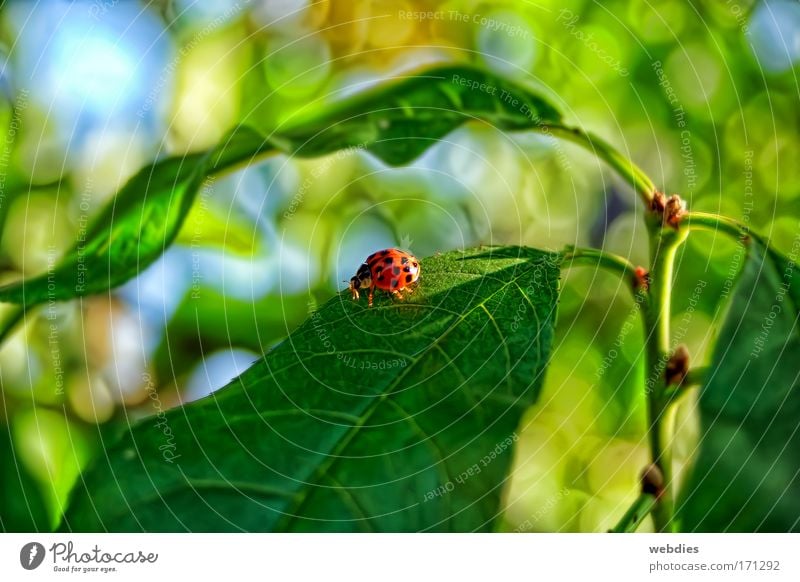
x,y
380,277
395,283
388,260
408,278
385,252
363,273
406,269
404,260
395,271
415,264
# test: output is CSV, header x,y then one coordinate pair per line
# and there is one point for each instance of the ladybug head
x,y
361,280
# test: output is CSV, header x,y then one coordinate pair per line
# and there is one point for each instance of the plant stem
x,y
664,243
10,323
715,223
625,167
694,377
608,261
637,513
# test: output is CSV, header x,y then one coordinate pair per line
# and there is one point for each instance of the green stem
x,y
609,261
694,377
637,513
715,223
10,322
625,167
664,243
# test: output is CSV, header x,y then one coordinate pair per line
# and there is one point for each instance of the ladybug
x,y
390,270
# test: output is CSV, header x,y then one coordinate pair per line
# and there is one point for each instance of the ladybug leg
x,y
371,293
354,285
398,294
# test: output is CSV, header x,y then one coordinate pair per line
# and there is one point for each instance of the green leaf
x,y
22,506
399,417
202,324
400,120
136,227
213,229
396,121
747,474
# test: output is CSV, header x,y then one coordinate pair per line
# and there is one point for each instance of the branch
x,y
664,243
609,261
715,223
637,513
694,377
624,167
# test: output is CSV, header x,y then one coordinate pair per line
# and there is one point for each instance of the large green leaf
x,y
22,505
747,474
397,121
136,227
399,417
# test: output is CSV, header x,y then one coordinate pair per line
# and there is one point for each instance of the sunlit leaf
x,y
136,228
397,121
399,417
22,505
204,228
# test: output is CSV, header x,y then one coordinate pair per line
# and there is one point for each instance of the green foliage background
x,y
676,87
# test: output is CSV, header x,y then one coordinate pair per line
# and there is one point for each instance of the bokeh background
x,y
702,94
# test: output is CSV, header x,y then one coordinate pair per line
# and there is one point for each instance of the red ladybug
x,y
390,270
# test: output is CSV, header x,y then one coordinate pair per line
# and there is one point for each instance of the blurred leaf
x,y
400,120
136,227
397,123
353,422
746,475
208,321
54,450
205,228
22,506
